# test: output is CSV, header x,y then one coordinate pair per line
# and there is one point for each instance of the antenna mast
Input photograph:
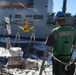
x,y
64,6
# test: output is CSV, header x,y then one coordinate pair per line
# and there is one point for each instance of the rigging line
x,y
33,34
43,62
29,8
64,63
8,44
4,34
30,42
23,5
75,70
17,37
27,50
32,38
5,31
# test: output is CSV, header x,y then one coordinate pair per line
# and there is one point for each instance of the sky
x,y
70,7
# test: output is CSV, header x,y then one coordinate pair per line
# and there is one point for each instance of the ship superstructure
x,y
36,11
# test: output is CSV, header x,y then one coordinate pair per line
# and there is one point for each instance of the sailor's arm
x,y
73,46
49,42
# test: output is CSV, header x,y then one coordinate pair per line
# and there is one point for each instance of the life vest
x,y
64,37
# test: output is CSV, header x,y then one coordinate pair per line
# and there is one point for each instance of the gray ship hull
x,y
37,15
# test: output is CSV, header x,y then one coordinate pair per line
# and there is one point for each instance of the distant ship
x,y
38,12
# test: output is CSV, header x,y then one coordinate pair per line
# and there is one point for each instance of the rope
x,y
27,50
32,38
4,33
17,37
64,63
8,44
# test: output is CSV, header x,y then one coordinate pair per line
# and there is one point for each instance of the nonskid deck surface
x,y
47,70
17,71
27,70
31,71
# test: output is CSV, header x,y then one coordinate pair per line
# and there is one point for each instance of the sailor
x,y
26,25
61,41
